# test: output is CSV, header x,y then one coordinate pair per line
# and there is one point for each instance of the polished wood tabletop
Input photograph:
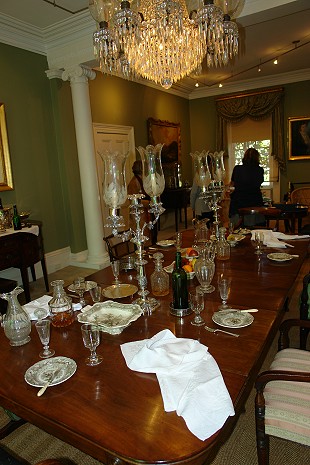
x,y
116,415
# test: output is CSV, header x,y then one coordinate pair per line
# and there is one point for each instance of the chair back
x,y
117,248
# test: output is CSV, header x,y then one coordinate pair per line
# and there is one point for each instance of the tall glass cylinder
x,y
202,175
218,167
153,176
114,181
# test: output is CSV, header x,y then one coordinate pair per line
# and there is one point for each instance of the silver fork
x,y
213,330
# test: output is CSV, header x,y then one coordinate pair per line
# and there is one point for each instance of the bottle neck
x,y
178,260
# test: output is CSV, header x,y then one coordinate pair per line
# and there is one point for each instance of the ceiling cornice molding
x,y
275,80
22,35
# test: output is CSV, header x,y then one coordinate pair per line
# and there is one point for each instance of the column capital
x,y
54,73
79,73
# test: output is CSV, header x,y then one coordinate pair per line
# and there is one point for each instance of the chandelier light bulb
x,y
275,62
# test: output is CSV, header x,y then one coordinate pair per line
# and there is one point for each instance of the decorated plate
x,y
243,231
88,285
232,319
280,257
38,374
165,243
117,291
111,317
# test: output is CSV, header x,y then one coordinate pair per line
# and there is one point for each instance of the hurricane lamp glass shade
x,y
218,167
202,173
153,176
114,182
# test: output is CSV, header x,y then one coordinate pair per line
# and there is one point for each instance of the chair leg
x,y
262,440
10,427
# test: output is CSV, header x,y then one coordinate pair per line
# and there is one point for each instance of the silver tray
x,y
118,291
111,317
38,374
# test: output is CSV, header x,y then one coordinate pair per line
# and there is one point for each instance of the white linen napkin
x,y
41,302
271,239
189,378
290,237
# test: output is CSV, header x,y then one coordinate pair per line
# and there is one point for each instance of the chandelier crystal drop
x,y
162,41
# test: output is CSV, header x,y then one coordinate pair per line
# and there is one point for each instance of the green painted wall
x,y
116,101
25,91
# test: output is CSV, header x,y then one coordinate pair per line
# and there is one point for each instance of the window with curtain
x,y
257,134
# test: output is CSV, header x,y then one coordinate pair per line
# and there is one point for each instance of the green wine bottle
x,y
179,285
17,224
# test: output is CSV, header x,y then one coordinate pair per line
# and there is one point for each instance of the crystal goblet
x,y
115,271
224,285
43,328
196,302
91,340
80,288
259,242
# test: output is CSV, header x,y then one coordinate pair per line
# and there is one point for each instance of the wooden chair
x,y
304,310
282,403
269,213
117,248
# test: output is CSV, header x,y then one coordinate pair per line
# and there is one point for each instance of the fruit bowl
x,y
190,275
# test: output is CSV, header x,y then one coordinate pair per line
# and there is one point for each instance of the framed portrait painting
x,y
299,138
169,134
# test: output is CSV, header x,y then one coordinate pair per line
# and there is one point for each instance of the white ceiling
x,y
267,29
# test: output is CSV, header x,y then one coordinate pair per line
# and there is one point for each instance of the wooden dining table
x,y
116,415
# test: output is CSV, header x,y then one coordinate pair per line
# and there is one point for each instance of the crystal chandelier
x,y
163,41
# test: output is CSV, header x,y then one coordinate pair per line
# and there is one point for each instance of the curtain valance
x,y
258,105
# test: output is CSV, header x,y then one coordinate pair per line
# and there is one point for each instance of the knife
x,y
50,379
250,310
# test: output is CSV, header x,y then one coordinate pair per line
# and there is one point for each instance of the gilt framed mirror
x,y
6,180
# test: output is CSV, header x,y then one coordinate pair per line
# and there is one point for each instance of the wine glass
x,y
43,328
115,271
80,288
91,340
95,294
224,285
196,302
178,241
259,242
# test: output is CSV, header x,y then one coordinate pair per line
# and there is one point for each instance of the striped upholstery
x,y
287,412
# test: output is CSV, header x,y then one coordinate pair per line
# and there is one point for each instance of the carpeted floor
x,y
33,444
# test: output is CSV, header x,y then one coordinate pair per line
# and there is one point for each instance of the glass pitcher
x,y
16,322
205,267
60,305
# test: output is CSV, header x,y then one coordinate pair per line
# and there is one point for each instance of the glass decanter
x,y
60,305
223,248
159,278
205,267
16,322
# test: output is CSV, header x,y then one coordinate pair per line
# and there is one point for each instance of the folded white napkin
x,y
290,237
190,380
41,302
271,238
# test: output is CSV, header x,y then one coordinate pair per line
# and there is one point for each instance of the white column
x,y
78,77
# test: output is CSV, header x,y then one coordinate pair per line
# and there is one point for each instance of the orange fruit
x,y
187,268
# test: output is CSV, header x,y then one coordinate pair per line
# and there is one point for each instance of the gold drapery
x,y
255,105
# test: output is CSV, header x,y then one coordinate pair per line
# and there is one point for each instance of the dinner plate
x,y
117,291
38,374
232,319
165,243
111,317
88,285
280,257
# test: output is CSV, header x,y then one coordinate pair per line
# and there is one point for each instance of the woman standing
x,y
246,180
